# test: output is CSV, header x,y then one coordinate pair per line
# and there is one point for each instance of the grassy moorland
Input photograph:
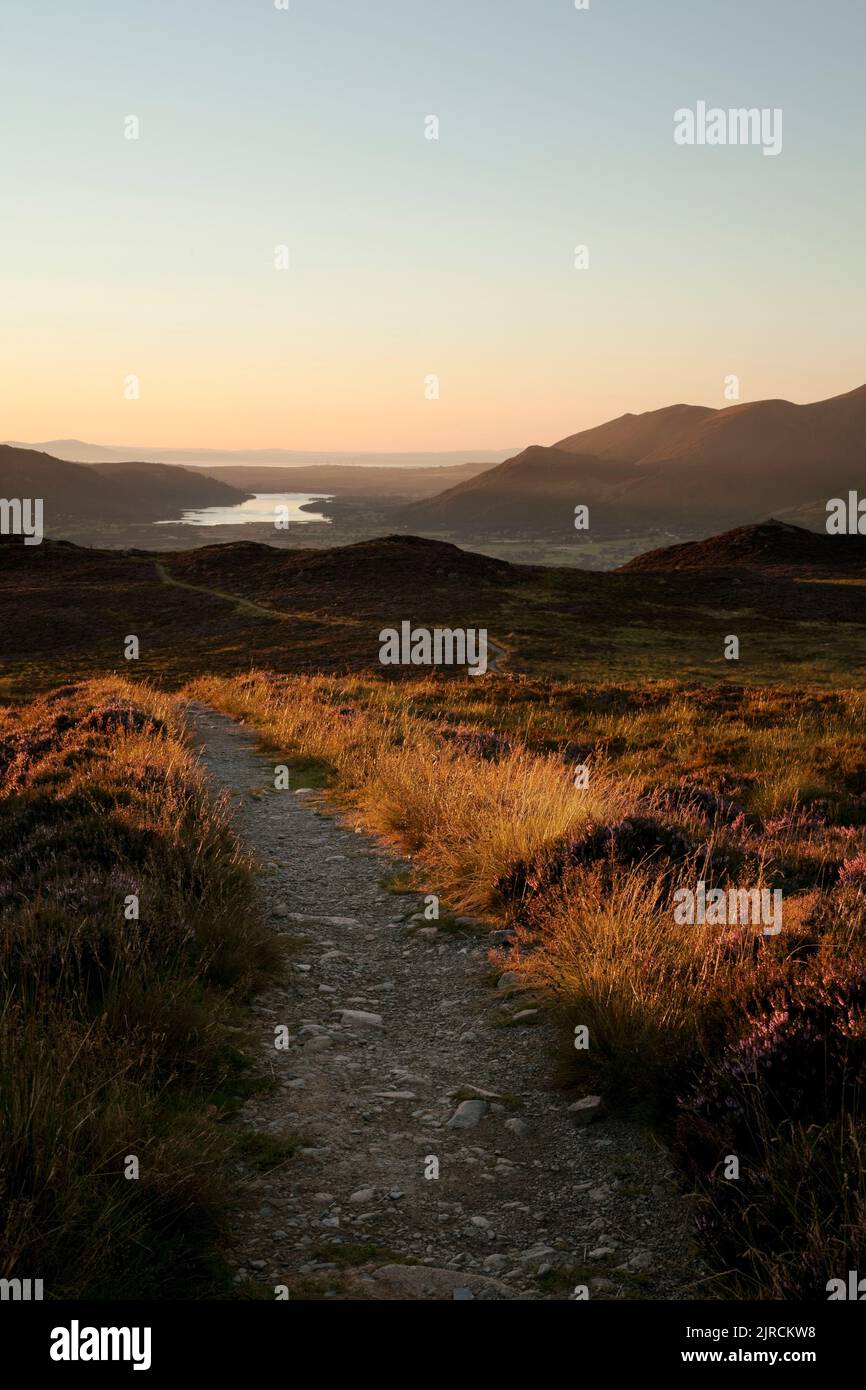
x,y
741,1046
226,609
116,1035
117,1032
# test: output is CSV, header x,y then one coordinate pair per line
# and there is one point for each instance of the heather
x,y
128,940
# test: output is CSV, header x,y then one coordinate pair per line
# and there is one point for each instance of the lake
x,y
259,510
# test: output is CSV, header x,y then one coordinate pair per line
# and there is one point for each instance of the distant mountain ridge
x,y
80,451
685,468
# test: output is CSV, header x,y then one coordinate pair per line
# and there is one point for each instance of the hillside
x,y
751,461
687,469
537,489
771,547
68,490
226,608
75,493
169,487
370,576
630,438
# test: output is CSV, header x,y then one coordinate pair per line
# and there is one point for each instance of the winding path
x,y
393,1025
497,654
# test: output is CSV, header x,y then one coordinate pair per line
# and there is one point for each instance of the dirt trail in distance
x,y
496,654
426,1072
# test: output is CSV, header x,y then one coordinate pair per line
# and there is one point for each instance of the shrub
x,y
784,1099
631,842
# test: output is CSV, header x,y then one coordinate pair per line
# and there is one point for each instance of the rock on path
x,y
399,1066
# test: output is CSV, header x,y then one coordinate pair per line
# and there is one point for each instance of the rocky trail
x,y
435,1157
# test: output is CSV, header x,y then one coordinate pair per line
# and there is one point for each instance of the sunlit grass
x,y
599,940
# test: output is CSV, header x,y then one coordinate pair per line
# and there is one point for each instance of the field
x,y
227,609
613,759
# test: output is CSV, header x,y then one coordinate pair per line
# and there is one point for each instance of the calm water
x,y
260,510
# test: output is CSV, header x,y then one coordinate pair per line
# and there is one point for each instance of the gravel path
x,y
425,1074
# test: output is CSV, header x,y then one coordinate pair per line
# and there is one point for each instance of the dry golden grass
x,y
612,952
462,818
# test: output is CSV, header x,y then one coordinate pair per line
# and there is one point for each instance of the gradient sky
x,y
410,257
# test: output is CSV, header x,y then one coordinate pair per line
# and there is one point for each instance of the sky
x,y
411,258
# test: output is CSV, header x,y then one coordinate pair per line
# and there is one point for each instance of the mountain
x,y
684,468
68,490
752,461
169,487
537,489
773,547
629,438
74,493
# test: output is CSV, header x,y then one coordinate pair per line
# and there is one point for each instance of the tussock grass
x,y
612,954
114,1032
